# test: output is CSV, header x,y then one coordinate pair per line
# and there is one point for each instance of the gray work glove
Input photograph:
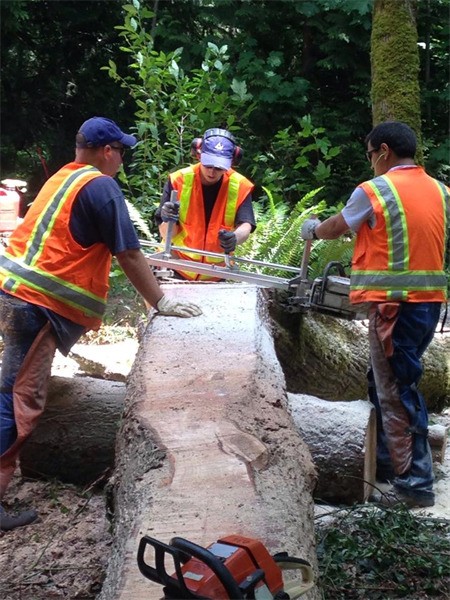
x,y
170,211
227,240
175,308
309,228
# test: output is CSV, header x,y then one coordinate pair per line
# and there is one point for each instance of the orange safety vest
x,y
44,265
193,232
401,259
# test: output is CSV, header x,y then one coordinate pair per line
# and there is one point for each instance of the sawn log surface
x,y
207,447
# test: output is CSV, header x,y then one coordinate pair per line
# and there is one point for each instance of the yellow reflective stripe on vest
x,y
23,270
186,192
398,279
44,224
232,198
18,272
393,280
445,203
394,215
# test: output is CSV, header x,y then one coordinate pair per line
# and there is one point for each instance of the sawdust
x,y
65,554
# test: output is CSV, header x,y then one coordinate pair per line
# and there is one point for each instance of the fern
x,y
277,238
138,221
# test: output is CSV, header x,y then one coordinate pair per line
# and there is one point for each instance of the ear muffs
x,y
196,148
196,145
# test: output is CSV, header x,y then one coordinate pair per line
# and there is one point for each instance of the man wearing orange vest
x,y
214,210
401,222
54,281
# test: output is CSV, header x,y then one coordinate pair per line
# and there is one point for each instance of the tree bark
x,y
328,357
341,437
395,65
206,446
75,438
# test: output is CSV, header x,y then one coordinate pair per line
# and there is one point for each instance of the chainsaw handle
x,y
215,564
295,588
158,573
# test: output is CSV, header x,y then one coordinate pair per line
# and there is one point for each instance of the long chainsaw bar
x,y
328,294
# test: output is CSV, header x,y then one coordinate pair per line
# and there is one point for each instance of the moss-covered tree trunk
x,y
395,65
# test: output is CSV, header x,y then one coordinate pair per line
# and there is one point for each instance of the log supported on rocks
x,y
75,438
341,437
207,447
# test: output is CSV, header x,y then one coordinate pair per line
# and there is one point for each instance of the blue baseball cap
x,y
217,151
99,131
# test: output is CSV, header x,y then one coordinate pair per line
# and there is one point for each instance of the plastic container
x,y
9,209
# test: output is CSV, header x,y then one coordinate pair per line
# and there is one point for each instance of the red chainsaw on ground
x,y
233,568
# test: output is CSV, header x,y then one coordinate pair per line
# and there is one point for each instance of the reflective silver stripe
x,y
44,223
394,215
50,285
446,200
397,280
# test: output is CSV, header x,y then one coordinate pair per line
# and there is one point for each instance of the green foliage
x,y
277,237
51,54
172,106
299,156
326,251
379,554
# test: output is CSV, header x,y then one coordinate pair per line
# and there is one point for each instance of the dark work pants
x,y
29,348
402,416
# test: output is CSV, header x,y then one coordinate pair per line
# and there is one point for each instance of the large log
x,y
342,439
327,357
206,447
75,438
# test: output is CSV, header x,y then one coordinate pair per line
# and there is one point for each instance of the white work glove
x,y
170,211
308,229
174,308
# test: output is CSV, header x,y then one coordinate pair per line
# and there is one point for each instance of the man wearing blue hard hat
x,y
214,211
54,281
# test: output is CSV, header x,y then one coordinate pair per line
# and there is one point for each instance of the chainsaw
x,y
328,294
234,567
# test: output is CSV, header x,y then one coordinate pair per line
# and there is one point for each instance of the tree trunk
x,y
75,438
395,65
341,437
206,446
328,357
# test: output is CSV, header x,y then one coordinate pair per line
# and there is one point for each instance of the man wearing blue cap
x,y
214,210
54,281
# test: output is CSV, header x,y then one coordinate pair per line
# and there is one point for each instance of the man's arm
x,y
138,271
332,228
242,232
357,211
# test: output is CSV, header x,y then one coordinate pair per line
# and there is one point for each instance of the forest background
x,y
291,78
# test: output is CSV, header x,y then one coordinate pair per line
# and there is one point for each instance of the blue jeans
x,y
20,323
411,336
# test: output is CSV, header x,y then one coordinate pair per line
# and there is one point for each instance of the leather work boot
x,y
395,497
8,521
